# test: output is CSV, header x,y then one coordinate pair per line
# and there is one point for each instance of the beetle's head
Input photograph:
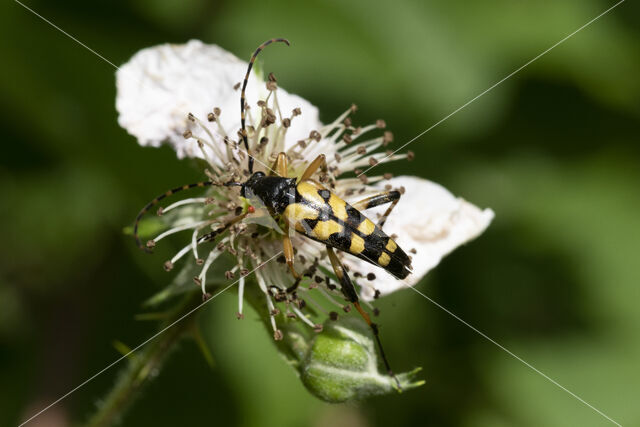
x,y
251,183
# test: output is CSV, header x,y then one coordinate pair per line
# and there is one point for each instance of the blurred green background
x,y
554,151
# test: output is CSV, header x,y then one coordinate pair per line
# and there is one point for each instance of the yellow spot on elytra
x,y
391,246
384,259
357,244
310,192
366,227
324,229
338,206
295,213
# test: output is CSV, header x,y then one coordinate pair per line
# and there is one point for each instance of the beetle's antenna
x,y
171,192
242,95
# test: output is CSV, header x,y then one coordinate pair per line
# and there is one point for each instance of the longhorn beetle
x,y
306,206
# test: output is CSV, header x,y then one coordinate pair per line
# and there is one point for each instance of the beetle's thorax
x,y
275,192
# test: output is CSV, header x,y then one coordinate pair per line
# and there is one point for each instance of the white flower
x,y
428,220
161,85
184,95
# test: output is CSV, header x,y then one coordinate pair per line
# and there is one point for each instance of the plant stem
x,y
143,366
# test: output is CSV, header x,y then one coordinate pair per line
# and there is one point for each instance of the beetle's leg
x,y
319,162
349,292
280,166
392,197
288,256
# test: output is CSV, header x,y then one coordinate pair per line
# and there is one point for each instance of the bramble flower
x,y
188,96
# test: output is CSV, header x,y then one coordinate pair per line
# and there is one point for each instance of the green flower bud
x,y
342,364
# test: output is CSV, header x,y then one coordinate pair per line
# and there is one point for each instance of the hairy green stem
x,y
143,366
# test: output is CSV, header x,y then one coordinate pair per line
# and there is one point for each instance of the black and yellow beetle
x,y
306,206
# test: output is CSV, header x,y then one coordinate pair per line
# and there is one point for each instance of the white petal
x,y
160,85
431,220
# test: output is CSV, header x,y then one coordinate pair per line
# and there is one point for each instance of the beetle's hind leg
x,y
350,293
392,197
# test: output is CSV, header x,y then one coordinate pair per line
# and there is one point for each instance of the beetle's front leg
x,y
280,166
289,258
319,162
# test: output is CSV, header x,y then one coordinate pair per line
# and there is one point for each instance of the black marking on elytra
x,y
325,194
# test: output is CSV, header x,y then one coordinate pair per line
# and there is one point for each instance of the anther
x,y
371,277
291,316
346,308
277,335
275,311
381,124
187,134
317,328
197,280
337,157
240,316
387,138
353,108
401,190
376,294
361,150
286,122
211,117
271,77
229,274
244,272
347,122
151,244
373,161
315,135
237,86
296,112
388,176
413,251
347,138
217,111
160,211
333,316
168,266
410,155
302,144
199,261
